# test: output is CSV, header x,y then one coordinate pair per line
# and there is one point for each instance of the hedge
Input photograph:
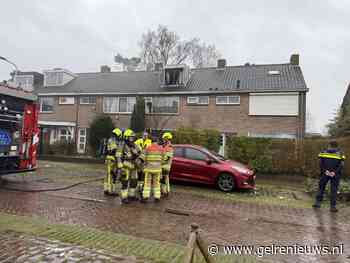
x,y
283,156
207,138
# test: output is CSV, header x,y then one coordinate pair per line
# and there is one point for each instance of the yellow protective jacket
x,y
143,143
115,151
168,154
132,156
153,158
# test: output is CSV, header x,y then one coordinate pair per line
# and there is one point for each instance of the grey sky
x,y
81,35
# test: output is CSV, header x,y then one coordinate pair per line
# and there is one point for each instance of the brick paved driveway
x,y
16,248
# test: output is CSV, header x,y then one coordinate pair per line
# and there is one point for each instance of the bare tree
x,y
165,46
204,55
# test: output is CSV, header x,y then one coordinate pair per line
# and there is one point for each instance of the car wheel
x,y
226,182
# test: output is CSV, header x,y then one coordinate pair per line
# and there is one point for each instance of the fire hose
x,y
50,189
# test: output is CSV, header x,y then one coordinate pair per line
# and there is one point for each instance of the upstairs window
x,y
162,105
118,104
46,104
66,100
228,100
88,100
54,78
198,100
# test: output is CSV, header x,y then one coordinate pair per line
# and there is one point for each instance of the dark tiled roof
x,y
252,78
13,92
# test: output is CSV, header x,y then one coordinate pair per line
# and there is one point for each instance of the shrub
x,y
63,148
255,152
137,121
100,128
207,138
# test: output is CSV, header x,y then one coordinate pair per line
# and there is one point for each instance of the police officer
x,y
331,165
114,161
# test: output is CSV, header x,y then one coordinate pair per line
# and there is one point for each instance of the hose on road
x,y
49,189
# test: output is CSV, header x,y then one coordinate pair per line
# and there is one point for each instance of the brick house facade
x,y
250,100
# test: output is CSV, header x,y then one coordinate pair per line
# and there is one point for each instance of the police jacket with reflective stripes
x,y
331,160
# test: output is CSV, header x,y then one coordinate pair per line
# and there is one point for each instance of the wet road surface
x,y
223,222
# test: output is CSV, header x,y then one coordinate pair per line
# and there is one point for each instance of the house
x,y
248,100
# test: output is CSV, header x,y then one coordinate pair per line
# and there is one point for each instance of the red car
x,y
196,164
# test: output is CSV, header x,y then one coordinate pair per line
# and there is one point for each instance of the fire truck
x,y
19,132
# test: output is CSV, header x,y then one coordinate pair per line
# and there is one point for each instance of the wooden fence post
x,y
203,247
191,244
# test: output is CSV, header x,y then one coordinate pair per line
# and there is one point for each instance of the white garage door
x,y
274,104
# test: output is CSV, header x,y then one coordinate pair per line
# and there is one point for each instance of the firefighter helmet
x,y
128,134
117,132
167,136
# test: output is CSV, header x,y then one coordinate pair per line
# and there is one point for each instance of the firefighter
x,y
142,143
331,165
153,155
114,162
168,153
132,157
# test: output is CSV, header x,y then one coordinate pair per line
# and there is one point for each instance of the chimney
x,y
221,63
294,59
158,66
105,69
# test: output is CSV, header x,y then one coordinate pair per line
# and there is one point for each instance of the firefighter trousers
x,y
165,182
151,184
110,183
129,183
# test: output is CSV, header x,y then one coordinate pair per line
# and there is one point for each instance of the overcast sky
x,y
81,35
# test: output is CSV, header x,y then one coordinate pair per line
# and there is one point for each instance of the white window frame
x,y
197,100
41,104
128,111
67,137
88,103
228,100
58,78
84,137
70,100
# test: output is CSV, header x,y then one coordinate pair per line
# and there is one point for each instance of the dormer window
x,y
25,82
175,75
57,77
172,76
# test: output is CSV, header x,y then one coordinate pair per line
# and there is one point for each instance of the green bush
x,y
63,148
100,128
207,138
255,152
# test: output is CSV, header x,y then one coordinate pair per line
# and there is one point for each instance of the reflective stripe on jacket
x,y
331,160
153,158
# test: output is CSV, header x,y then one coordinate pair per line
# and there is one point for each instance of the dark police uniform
x,y
331,160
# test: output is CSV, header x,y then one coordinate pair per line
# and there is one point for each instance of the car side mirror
x,y
209,161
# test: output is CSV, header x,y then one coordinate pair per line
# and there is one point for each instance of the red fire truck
x,y
19,132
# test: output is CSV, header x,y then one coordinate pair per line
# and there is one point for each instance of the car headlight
x,y
242,170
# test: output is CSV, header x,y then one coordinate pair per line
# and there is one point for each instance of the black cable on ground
x,y
49,189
